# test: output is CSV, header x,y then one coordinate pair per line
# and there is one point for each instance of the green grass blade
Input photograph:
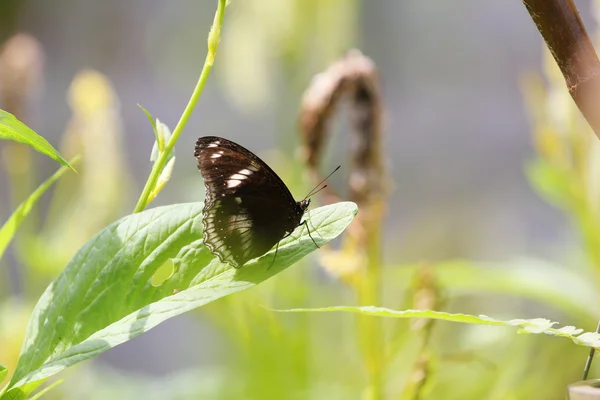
x,y
150,118
46,389
7,231
13,129
105,297
535,325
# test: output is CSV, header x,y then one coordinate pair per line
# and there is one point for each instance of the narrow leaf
x,y
163,134
13,129
105,297
163,178
46,389
7,231
150,118
535,325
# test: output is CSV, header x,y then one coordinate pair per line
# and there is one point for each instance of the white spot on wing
x,y
233,183
237,177
216,144
245,172
216,155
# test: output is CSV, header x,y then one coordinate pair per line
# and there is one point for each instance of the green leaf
x,y
13,129
150,118
105,297
7,231
163,134
20,393
3,372
163,178
46,389
535,325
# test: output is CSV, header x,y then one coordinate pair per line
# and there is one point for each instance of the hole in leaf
x,y
163,273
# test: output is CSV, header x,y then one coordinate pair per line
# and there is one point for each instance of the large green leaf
x,y
7,231
13,129
105,297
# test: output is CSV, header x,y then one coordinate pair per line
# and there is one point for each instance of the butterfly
x,y
248,209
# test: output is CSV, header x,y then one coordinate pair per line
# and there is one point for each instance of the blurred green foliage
x,y
297,356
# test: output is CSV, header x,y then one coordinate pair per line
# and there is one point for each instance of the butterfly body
x,y
248,209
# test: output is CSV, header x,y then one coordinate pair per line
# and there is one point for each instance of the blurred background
x,y
492,188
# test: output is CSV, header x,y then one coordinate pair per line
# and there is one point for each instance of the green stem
x,y
369,293
213,43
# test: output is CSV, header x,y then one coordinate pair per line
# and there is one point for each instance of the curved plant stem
x,y
213,43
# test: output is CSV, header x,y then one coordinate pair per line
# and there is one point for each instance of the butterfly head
x,y
303,205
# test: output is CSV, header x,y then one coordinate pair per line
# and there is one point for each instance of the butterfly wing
x,y
248,208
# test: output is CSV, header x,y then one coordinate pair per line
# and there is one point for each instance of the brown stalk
x,y
358,263
567,39
561,27
355,77
21,65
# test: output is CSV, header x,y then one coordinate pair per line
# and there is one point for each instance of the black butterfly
x,y
248,208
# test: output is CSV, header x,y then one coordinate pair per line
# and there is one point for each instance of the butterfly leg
x,y
313,227
289,234
309,234
275,257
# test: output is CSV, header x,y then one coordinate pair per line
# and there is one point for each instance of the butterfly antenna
x,y
316,189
